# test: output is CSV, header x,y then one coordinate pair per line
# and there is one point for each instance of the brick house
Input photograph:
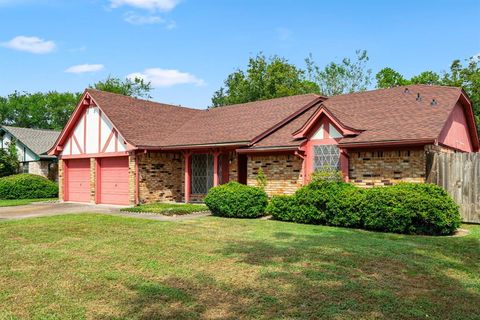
x,y
122,150
32,149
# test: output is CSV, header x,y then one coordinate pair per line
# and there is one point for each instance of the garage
x,y
113,181
77,176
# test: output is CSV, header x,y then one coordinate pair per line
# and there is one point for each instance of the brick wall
x,y
161,177
60,179
93,179
283,172
131,179
39,168
233,166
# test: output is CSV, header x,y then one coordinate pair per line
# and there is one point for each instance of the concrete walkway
x,y
42,209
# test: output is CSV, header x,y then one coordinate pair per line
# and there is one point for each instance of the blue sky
x,y
188,47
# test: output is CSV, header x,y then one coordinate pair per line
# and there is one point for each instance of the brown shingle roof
x,y
383,115
149,124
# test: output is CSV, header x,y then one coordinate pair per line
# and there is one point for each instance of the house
x,y
32,149
122,150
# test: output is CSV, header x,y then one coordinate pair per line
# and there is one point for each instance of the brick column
x,y
188,176
61,182
132,179
93,179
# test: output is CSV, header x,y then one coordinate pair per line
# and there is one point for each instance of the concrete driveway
x,y
42,209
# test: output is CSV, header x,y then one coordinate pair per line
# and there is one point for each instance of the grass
x,y
21,202
109,267
168,209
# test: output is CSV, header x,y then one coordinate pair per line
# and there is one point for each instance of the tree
x,y
338,78
265,78
49,110
388,78
426,77
134,88
9,160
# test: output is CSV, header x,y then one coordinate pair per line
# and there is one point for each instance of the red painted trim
x,y
188,176
78,144
268,150
112,133
375,144
98,178
306,128
215,168
137,180
96,155
85,130
116,141
288,119
99,130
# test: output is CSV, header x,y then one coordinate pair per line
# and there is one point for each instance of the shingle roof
x,y
150,124
37,140
382,115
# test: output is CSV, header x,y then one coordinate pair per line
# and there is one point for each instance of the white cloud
x,y
152,5
85,68
166,77
136,19
30,44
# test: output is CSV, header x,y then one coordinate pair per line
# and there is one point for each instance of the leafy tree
x,y
338,78
49,110
136,87
426,77
265,78
388,78
9,160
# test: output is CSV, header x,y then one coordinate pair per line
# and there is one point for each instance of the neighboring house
x,y
32,149
121,150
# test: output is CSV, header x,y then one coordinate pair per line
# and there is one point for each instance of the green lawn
x,y
110,267
168,209
21,202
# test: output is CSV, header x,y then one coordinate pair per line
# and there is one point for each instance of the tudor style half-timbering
x,y
121,150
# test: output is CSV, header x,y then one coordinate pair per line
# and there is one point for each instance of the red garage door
x,y
113,181
77,186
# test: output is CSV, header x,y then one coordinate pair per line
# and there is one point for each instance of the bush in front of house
x,y
412,209
27,186
235,200
404,208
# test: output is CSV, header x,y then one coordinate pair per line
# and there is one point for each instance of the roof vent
x,y
406,90
434,102
419,97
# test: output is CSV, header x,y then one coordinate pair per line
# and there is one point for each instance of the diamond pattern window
x,y
326,157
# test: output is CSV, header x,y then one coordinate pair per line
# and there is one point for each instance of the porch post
x,y
188,176
215,168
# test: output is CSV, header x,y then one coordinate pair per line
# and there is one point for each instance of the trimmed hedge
x,y
27,186
404,208
235,200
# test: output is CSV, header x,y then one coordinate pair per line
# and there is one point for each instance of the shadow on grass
x,y
347,274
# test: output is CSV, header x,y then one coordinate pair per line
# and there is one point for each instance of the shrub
x,y
412,209
404,208
327,174
27,186
235,200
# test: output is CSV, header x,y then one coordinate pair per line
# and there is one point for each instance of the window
x,y
326,156
202,173
23,167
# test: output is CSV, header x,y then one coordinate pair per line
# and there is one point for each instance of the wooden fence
x,y
459,174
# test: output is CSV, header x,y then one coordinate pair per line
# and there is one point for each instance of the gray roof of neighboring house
x,y
37,140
